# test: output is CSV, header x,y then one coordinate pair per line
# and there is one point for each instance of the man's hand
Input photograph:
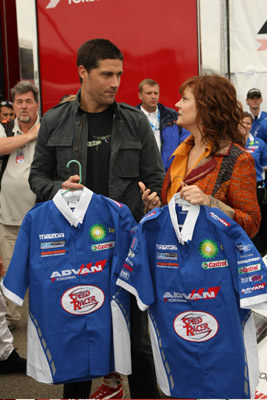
x,y
34,132
2,267
151,200
194,195
72,184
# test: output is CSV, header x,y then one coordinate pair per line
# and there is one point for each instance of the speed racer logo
x,y
83,299
195,326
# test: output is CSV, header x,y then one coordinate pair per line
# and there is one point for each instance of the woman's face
x,y
187,109
246,122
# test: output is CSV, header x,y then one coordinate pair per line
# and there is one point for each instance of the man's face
x,y
25,107
6,113
149,97
254,102
100,85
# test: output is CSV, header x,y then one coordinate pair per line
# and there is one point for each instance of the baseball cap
x,y
253,92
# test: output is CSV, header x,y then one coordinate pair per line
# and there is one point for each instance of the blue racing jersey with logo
x,y
199,274
69,252
258,149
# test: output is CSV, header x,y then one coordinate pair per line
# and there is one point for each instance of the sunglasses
x,y
6,103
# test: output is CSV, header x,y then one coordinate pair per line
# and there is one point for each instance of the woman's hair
x,y
218,110
247,115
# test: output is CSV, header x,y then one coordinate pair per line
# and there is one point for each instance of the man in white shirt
x,y
17,143
162,120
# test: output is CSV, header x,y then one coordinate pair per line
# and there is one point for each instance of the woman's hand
x,y
194,195
151,200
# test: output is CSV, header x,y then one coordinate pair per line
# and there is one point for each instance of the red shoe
x,y
108,392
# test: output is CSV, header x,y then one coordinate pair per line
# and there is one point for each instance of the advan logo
x,y
196,326
82,299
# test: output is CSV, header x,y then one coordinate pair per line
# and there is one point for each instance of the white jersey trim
x,y
11,296
186,233
250,343
131,289
121,341
81,198
162,377
257,302
37,364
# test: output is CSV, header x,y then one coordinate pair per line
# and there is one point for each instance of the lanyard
x,y
155,127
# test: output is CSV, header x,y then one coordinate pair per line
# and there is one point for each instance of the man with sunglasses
x,y
6,110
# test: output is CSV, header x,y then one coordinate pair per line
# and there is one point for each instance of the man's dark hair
x,y
24,87
91,52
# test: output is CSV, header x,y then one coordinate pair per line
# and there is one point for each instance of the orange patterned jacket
x,y
230,177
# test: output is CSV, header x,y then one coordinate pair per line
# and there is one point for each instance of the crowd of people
x,y
209,151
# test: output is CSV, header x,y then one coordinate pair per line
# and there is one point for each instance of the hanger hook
x,y
80,167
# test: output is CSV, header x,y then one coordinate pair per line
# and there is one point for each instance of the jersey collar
x,y
186,233
63,203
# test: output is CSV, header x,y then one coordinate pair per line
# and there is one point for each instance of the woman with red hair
x,y
211,167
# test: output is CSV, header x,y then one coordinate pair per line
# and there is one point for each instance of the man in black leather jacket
x,y
116,148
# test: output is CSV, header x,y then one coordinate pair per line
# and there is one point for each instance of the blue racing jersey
x,y
69,253
258,149
199,274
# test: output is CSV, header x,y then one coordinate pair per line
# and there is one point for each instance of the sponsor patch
x,y
248,260
251,289
167,265
243,247
128,261
147,216
208,248
167,256
82,299
211,293
131,254
51,236
217,218
124,274
97,232
71,273
126,266
195,326
102,246
52,253
52,245
134,243
166,247
249,269
252,278
214,264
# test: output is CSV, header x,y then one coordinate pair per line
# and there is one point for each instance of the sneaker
x,y
13,364
108,392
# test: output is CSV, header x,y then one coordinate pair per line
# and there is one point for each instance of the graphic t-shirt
x,y
199,274
69,253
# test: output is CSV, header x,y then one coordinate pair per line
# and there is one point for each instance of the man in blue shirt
x,y
254,100
258,149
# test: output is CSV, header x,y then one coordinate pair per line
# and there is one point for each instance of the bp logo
x,y
97,232
208,248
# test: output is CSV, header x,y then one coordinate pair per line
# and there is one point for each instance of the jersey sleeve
x,y
16,281
251,274
135,275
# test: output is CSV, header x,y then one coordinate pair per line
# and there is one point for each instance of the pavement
x,y
18,386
